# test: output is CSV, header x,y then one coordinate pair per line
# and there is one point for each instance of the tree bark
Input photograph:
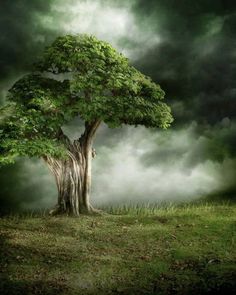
x,y
73,175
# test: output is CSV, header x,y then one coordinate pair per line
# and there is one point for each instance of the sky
x,y
188,47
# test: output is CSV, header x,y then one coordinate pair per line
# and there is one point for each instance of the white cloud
x,y
111,23
121,176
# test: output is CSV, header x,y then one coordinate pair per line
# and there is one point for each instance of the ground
x,y
145,250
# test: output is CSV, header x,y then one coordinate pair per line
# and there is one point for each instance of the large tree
x,y
76,76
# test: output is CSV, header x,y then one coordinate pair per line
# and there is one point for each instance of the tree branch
x,y
89,133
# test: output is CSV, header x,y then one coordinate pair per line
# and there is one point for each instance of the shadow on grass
x,y
9,287
12,282
30,270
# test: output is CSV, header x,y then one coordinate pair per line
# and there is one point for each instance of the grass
x,y
185,249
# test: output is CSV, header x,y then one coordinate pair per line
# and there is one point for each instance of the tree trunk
x,y
73,175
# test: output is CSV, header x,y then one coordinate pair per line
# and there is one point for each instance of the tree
x,y
76,76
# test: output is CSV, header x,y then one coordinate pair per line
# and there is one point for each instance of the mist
x,y
151,166
136,165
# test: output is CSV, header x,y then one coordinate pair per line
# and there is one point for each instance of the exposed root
x,y
94,211
91,211
55,211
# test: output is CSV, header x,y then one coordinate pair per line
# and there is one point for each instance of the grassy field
x,y
141,250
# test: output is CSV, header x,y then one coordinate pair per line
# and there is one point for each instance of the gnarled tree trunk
x,y
73,175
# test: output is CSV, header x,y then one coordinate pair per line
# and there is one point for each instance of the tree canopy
x,y
76,76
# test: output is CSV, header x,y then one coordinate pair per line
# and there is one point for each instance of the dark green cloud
x,y
195,62
21,37
26,185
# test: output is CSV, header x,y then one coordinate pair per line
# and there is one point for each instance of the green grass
x,y
186,249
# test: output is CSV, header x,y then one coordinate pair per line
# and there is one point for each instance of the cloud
x,y
26,185
108,21
153,166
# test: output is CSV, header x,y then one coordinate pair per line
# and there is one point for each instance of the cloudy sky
x,y
188,47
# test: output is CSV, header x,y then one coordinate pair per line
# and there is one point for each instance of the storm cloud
x,y
187,47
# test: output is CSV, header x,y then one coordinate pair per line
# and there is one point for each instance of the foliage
x,y
31,124
76,76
